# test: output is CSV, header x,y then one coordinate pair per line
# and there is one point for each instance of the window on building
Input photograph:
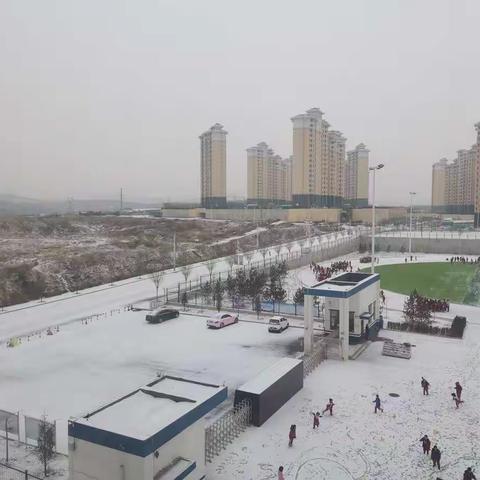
x,y
334,319
351,321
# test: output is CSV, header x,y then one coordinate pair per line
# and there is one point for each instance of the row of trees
x,y
252,284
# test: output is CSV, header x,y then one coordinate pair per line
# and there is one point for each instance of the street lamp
x,y
374,169
410,234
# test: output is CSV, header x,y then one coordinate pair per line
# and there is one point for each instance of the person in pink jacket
x,y
280,473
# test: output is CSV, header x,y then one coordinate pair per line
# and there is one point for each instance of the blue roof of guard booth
x,y
142,421
343,285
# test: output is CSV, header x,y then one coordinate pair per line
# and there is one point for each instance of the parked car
x,y
222,320
161,315
366,259
277,324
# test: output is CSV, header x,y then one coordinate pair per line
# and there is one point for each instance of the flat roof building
x,y
151,433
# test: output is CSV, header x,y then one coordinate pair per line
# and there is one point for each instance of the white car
x,y
277,324
222,320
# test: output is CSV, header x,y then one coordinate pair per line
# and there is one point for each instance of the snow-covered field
x,y
357,444
85,365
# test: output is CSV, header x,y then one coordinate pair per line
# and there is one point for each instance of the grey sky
x,y
96,94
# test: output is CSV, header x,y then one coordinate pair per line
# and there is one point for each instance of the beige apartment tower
x,y
268,177
455,185
318,162
213,155
356,177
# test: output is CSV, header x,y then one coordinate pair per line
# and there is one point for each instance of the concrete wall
x,y
190,444
330,215
462,246
89,460
381,214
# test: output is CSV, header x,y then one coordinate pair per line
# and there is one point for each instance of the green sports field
x,y
434,280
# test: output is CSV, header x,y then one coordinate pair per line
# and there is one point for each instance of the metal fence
x,y
312,361
224,430
11,473
312,253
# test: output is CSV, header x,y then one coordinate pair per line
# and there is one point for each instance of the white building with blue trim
x,y
156,432
352,306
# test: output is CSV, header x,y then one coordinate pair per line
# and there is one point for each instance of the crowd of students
x,y
322,273
470,260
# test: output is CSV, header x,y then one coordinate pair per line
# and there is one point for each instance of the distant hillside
x,y
16,205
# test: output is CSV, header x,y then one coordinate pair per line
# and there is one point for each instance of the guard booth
x,y
351,308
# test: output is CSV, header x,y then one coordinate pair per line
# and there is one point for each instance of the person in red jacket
x,y
329,407
316,420
280,474
292,435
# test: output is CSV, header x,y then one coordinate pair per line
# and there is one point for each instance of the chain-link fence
x,y
312,361
224,430
11,473
311,250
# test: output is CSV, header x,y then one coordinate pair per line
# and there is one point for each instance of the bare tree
x,y
230,261
157,278
249,258
46,443
211,267
186,270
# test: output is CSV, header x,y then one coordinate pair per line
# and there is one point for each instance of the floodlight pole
x,y
411,215
374,169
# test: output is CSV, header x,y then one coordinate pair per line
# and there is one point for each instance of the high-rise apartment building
x,y
476,156
318,162
213,145
356,177
268,177
455,185
439,185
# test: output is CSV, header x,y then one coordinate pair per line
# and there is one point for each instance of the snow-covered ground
x,y
357,444
86,365
24,318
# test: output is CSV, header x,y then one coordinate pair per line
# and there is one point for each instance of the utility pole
x,y
6,438
174,250
374,169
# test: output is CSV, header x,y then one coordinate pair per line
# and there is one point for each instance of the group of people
x,y
463,260
433,304
322,273
435,453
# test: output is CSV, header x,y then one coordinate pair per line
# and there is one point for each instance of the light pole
x,y
410,233
374,169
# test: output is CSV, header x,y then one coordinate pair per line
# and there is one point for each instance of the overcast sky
x,y
98,94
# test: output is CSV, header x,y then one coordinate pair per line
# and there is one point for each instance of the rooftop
x,y
268,376
343,285
154,407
